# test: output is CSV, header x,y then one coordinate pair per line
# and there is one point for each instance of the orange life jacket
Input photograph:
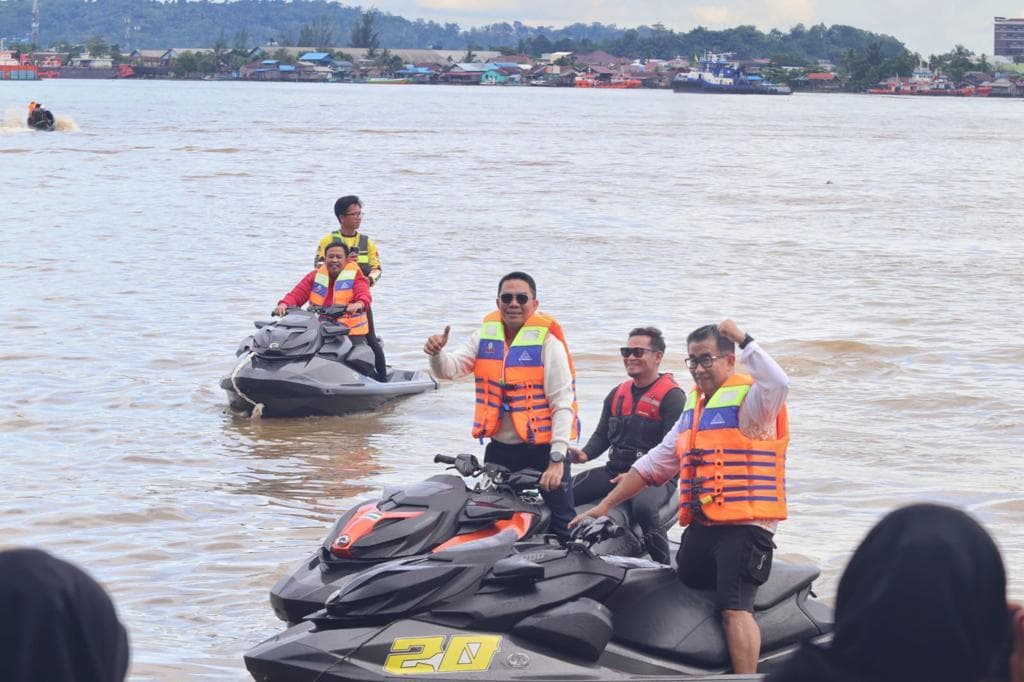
x,y
357,323
510,378
724,475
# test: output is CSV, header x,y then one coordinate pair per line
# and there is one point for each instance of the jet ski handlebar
x,y
329,311
590,531
492,476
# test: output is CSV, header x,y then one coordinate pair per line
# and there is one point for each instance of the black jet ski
x,y
304,364
41,119
429,516
432,516
533,611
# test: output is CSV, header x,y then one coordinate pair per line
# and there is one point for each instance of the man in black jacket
x,y
636,416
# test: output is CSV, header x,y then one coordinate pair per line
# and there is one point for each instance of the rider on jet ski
x,y
729,451
525,390
38,116
361,250
337,281
636,416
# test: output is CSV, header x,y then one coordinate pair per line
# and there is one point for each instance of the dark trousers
x,y
525,456
645,508
380,364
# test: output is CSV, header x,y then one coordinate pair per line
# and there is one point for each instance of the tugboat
x,y
719,73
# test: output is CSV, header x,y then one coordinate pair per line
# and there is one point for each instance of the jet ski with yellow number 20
x,y
533,611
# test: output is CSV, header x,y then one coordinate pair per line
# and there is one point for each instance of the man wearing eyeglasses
x,y
636,416
362,251
729,451
525,390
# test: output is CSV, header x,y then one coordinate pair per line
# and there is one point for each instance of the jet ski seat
x,y
647,612
361,359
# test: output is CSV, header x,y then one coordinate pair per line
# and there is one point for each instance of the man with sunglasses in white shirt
x,y
525,390
728,448
636,416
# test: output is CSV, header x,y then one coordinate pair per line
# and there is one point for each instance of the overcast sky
x,y
925,26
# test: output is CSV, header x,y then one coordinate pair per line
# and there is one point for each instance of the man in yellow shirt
x,y
362,249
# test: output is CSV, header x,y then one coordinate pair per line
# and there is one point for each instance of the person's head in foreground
x,y
923,598
58,623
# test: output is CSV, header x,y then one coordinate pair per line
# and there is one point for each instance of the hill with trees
x,y
130,24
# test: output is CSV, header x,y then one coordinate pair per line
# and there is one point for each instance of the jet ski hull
x,y
318,387
414,649
538,612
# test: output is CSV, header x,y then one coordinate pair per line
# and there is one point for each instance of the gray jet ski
x,y
304,364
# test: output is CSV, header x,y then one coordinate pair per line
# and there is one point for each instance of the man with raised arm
x,y
729,451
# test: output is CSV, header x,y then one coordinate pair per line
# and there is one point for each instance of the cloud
x,y
496,7
712,15
766,15
926,26
784,13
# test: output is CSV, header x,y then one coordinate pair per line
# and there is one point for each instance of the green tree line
x,y
132,24
862,69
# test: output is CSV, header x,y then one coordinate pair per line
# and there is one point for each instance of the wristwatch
x,y
557,457
746,339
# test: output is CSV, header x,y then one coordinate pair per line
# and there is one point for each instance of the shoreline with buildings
x,y
958,73
596,69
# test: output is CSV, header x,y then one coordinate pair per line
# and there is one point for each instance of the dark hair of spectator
x,y
58,623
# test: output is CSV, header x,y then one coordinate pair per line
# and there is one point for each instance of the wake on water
x,y
15,121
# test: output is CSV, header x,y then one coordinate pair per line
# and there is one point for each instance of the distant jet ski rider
x,y
338,281
38,117
363,252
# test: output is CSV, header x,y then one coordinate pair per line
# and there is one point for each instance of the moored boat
x,y
718,73
12,69
935,88
612,84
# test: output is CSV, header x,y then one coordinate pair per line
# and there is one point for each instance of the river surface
x,y
871,244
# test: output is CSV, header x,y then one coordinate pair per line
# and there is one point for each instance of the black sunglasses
x,y
521,299
638,352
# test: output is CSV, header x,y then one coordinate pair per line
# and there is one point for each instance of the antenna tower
x,y
35,22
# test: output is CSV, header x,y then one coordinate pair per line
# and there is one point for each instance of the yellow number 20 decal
x,y
426,655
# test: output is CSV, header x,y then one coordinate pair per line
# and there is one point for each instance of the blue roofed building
x,y
417,74
318,58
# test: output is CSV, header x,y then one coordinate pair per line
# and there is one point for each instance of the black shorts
x,y
732,560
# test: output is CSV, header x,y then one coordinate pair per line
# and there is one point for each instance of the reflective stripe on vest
x,y
364,249
724,475
511,379
357,323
